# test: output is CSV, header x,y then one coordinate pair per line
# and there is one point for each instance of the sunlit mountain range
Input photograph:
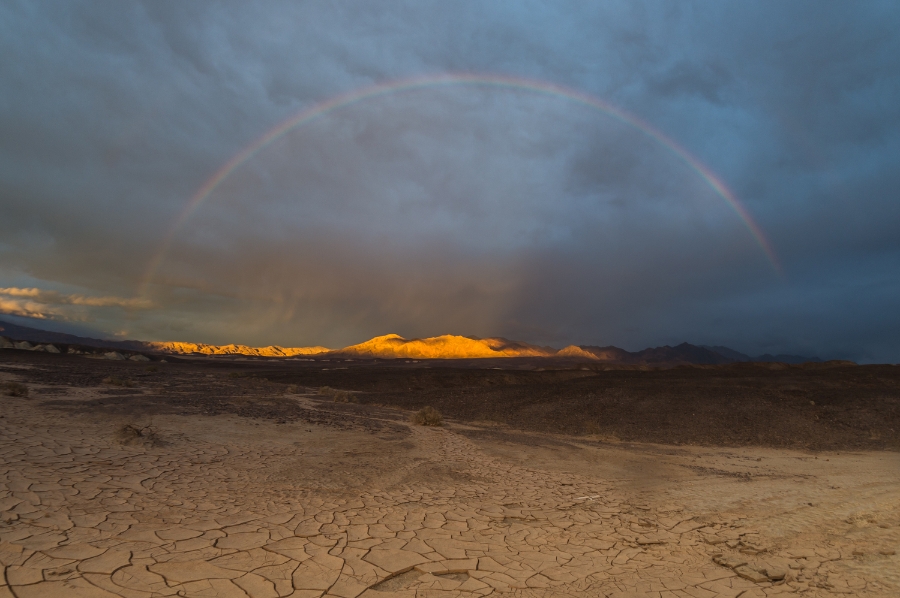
x,y
393,346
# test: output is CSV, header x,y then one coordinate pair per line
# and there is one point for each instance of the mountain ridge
x,y
394,346
183,348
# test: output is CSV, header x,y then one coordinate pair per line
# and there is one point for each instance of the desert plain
x,y
232,477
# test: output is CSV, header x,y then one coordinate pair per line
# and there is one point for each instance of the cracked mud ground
x,y
217,498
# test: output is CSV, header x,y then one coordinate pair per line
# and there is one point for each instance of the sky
x,y
631,173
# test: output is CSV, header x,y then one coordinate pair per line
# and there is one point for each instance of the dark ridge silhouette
x,y
35,335
786,359
729,353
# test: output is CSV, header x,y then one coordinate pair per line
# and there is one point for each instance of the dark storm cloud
x,y
459,209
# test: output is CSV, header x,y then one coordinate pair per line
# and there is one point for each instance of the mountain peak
x,y
446,346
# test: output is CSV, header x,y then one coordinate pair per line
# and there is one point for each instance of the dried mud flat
x,y
229,486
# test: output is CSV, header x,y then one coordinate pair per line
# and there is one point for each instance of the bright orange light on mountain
x,y
270,351
447,346
394,346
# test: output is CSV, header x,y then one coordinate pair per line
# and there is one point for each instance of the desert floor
x,y
359,502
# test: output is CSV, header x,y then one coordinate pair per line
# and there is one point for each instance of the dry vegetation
x,y
338,396
15,389
116,381
137,435
814,406
427,416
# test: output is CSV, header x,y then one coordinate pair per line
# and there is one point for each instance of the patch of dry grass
x,y
116,381
427,416
14,389
136,435
338,396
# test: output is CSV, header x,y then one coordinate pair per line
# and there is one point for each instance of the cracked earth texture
x,y
224,506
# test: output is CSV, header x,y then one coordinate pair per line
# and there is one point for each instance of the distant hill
x,y
393,346
270,351
611,354
684,353
35,335
447,346
729,353
786,359
767,358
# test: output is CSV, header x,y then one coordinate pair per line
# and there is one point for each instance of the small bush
x,y
338,396
235,375
152,368
115,381
427,416
135,435
292,389
15,389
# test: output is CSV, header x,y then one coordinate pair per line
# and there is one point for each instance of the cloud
x,y
48,304
461,210
28,309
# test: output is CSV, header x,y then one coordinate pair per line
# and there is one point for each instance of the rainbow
x,y
505,82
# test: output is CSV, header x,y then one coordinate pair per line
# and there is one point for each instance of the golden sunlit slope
x,y
576,351
271,351
447,346
388,346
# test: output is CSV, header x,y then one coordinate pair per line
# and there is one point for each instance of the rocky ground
x,y
205,479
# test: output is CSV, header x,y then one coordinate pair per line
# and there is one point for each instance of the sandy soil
x,y
355,501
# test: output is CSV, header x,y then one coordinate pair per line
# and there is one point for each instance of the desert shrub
x,y
427,416
291,389
116,381
14,389
343,396
152,368
235,375
136,435
338,396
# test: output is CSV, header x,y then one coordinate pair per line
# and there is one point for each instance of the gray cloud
x,y
458,209
42,304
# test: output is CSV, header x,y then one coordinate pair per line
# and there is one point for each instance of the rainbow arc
x,y
498,81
